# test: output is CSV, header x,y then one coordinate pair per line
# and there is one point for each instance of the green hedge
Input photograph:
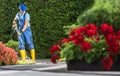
x,y
47,20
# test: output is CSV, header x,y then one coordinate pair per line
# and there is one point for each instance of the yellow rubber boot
x,y
32,52
23,54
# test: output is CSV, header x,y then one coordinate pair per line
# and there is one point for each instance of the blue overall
x,y
26,36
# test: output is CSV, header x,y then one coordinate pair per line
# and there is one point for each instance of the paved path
x,y
35,73
46,68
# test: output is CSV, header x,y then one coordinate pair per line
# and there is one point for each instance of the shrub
x,y
12,44
8,56
103,11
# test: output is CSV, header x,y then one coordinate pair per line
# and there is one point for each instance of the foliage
x,y
8,56
89,43
47,19
102,11
12,44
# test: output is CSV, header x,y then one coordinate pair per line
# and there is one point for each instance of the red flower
x,y
54,58
113,49
106,29
107,62
78,39
74,32
91,26
65,40
90,33
113,45
77,31
111,38
54,49
82,29
91,30
118,34
86,46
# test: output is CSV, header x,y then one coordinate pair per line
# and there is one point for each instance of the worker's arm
x,y
25,26
15,19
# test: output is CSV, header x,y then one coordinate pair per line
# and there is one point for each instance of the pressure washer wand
x,y
15,29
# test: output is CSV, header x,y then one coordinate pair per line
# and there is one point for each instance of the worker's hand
x,y
19,33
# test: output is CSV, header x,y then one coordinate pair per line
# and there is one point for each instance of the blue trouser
x,y
26,37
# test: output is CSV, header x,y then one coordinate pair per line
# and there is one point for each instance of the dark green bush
x,y
47,20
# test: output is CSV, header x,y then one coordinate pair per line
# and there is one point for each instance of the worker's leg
x,y
32,52
22,46
29,41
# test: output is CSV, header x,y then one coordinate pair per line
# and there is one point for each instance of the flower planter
x,y
81,65
90,43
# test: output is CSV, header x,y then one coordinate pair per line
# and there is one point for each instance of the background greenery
x,y
102,11
47,20
49,16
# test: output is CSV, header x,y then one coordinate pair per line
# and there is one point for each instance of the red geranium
x,y
107,63
118,34
65,40
86,46
54,58
54,48
78,39
90,30
113,44
106,29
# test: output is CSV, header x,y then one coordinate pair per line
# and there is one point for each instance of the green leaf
x,y
88,60
106,54
80,56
